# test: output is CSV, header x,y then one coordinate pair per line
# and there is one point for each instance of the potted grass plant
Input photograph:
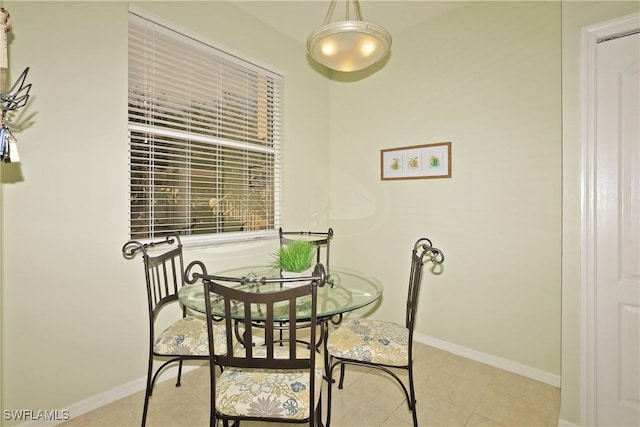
x,y
295,259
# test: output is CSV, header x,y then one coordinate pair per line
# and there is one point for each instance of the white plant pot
x,y
289,274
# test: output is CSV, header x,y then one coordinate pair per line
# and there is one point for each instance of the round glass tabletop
x,y
345,290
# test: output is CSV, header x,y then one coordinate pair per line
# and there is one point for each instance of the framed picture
x,y
416,162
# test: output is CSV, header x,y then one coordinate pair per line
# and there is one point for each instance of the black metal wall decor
x,y
16,97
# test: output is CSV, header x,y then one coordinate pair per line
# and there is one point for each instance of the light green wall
x,y
73,309
487,78
576,15
64,212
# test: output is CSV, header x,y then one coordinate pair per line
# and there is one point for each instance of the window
x,y
204,138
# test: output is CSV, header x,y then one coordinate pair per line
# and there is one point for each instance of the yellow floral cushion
x,y
188,337
370,340
267,392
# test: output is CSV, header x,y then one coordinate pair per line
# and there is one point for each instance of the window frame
x,y
202,240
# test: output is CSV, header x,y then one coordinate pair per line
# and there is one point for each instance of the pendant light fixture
x,y
348,45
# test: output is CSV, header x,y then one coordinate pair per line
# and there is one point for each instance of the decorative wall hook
x,y
18,95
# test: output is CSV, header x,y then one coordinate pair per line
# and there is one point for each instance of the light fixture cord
x,y
5,27
329,12
356,5
332,6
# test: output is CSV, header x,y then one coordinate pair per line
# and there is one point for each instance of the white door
x,y
618,233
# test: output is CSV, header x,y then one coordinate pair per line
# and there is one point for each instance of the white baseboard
x,y
497,362
110,396
124,390
565,423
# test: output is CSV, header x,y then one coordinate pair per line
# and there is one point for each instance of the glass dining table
x,y
345,290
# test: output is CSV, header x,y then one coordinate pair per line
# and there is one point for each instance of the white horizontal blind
x,y
204,137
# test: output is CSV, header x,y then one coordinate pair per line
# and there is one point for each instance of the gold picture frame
x,y
426,161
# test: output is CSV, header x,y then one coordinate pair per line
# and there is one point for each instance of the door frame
x,y
590,37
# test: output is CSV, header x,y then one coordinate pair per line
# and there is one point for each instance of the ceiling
x,y
297,18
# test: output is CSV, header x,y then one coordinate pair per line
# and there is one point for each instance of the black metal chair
x,y
379,344
278,380
319,238
186,338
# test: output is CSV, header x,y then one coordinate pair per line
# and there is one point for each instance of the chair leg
x,y
144,411
316,419
330,382
213,420
340,384
151,381
412,393
147,393
178,384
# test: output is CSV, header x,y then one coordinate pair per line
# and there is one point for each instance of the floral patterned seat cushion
x,y
188,337
370,340
269,393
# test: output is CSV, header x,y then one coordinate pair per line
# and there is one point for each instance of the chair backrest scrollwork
x,y
319,238
163,268
422,252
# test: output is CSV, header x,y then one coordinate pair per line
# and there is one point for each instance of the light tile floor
x,y
450,390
